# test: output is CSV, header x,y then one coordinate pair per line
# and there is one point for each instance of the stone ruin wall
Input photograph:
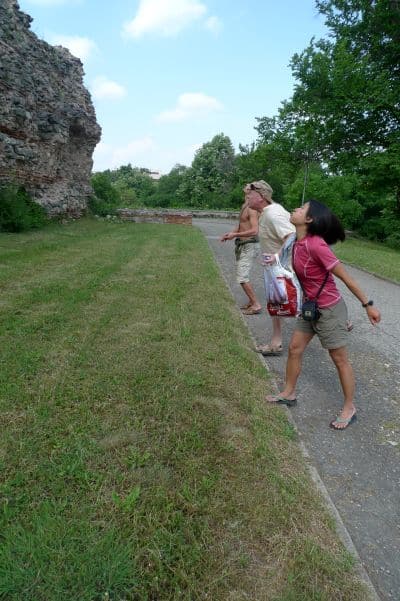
x,y
155,216
48,127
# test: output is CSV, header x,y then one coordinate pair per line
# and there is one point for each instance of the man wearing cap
x,y
273,228
247,249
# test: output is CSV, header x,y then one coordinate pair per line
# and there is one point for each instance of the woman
x,y
317,228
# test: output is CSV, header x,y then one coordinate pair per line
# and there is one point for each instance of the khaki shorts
x,y
248,254
331,327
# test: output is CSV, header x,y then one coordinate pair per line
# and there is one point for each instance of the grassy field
x,y
372,256
138,459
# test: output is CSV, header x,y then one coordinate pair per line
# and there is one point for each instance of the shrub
x,y
18,212
106,198
391,221
393,241
127,196
372,229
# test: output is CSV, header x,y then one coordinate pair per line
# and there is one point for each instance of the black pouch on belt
x,y
309,308
310,311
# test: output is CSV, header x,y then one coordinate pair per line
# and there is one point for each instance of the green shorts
x,y
331,327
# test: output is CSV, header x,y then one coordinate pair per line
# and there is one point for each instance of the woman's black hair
x,y
324,223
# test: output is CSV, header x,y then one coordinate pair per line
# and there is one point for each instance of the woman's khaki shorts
x,y
331,327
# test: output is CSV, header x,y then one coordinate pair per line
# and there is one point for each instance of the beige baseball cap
x,y
263,188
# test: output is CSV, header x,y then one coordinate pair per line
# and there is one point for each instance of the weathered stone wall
x,y
173,215
155,216
210,214
48,127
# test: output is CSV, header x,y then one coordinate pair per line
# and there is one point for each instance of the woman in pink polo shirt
x,y
316,228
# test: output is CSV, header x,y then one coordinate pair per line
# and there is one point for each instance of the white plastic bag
x,y
282,290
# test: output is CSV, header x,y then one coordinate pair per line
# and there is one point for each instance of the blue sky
x,y
167,75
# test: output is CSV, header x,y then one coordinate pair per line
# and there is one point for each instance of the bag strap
x,y
323,284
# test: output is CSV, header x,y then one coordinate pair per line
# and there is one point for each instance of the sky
x,y
166,76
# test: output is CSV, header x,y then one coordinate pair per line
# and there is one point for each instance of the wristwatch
x,y
368,304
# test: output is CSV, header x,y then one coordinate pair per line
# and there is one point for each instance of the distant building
x,y
155,174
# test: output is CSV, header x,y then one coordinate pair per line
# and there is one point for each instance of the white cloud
x,y
165,17
190,105
213,24
102,88
78,46
137,152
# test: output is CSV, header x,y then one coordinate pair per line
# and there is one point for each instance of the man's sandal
x,y
280,400
342,420
267,350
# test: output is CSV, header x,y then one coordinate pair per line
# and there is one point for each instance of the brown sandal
x,y
280,400
267,350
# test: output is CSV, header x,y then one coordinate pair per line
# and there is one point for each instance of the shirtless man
x,y
246,250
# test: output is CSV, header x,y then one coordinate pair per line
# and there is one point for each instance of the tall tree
x,y
165,195
349,85
136,179
211,175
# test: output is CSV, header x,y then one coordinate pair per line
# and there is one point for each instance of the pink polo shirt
x,y
312,258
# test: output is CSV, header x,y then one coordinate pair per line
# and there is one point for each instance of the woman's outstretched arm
x,y
340,272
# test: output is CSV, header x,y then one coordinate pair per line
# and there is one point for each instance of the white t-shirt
x,y
273,226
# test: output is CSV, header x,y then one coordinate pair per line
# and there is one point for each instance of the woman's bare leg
x,y
341,360
298,343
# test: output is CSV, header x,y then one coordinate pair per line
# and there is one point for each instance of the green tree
x,y
345,115
127,195
106,198
136,179
340,193
348,87
211,177
270,162
167,186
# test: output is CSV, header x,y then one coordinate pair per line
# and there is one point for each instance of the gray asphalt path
x,y
360,467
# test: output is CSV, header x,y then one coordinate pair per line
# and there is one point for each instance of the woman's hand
x,y
374,314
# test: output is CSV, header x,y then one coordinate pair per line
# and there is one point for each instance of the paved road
x,y
360,467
